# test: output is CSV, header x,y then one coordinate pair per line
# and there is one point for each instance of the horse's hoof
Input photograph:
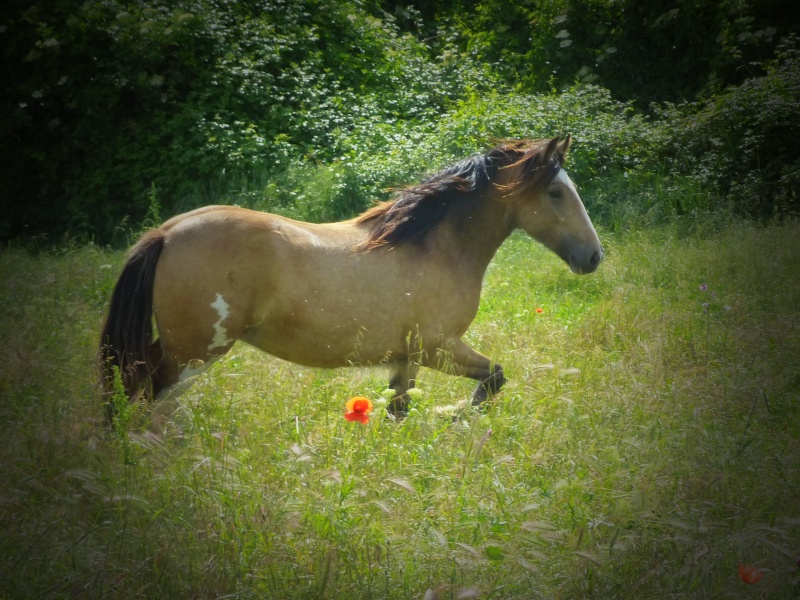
x,y
398,407
398,416
482,405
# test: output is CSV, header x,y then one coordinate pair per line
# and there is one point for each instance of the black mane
x,y
417,209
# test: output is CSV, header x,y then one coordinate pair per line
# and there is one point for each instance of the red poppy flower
x,y
750,574
358,409
540,310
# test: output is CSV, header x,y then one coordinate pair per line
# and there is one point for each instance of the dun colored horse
x,y
398,285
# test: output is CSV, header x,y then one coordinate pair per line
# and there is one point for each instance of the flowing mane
x,y
416,210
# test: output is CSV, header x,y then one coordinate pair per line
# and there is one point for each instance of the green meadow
x,y
646,445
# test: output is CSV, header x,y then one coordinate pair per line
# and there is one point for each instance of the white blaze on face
x,y
564,179
220,333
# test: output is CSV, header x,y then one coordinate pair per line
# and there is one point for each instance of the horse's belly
x,y
324,345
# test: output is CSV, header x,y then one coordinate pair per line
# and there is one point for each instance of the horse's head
x,y
543,201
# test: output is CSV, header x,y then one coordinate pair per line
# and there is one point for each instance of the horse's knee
x,y
489,386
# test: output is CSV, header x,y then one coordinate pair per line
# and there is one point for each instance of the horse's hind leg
x,y
184,359
173,379
177,374
165,374
195,329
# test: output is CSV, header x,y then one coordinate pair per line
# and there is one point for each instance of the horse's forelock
x,y
535,165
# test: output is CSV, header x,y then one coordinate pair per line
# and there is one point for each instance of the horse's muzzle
x,y
584,266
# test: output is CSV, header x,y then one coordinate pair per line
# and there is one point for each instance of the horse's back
x,y
247,226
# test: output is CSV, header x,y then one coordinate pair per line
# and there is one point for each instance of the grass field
x,y
647,443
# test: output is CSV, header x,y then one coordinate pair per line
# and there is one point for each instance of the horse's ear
x,y
563,147
551,148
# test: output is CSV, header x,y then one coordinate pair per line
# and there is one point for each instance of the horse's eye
x,y
555,194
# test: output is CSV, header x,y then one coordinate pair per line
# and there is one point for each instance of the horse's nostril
x,y
595,259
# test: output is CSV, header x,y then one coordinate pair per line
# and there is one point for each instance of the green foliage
x,y
152,217
106,99
608,138
643,51
122,412
314,108
645,197
744,143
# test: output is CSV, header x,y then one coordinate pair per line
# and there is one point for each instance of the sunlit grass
x,y
645,445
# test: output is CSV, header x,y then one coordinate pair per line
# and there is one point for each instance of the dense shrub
x,y
608,137
113,112
744,144
106,99
643,50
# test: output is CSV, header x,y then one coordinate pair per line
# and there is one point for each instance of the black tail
x,y
127,339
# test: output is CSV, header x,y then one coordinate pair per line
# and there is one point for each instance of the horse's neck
x,y
474,232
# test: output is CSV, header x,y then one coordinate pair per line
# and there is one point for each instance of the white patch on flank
x,y
220,333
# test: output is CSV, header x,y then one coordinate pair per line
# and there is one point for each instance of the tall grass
x,y
646,444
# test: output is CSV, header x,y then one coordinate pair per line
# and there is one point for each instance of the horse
x,y
397,285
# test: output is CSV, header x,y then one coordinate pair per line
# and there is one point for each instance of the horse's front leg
x,y
468,362
403,377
